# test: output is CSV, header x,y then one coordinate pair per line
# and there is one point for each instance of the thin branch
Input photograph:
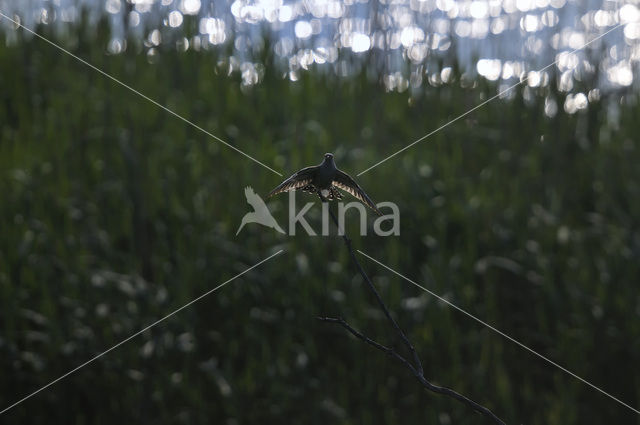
x,y
387,350
419,376
416,367
347,241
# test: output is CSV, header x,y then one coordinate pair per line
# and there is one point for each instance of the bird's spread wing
x,y
344,182
297,181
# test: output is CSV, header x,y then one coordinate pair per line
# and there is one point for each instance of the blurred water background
x,y
404,43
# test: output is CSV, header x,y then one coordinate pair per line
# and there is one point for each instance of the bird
x,y
325,179
260,214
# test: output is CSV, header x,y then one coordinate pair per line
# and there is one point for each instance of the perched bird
x,y
325,179
260,214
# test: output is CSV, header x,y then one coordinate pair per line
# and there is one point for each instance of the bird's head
x,y
328,157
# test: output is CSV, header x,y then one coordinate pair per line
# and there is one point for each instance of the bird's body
x,y
325,179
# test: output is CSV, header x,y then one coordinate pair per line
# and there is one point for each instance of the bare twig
x,y
382,305
419,376
390,351
415,367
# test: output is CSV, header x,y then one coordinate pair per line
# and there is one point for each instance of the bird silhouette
x,y
325,179
260,214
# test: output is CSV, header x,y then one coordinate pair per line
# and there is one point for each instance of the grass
x,y
114,213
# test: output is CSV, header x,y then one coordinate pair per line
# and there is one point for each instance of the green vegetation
x,y
114,213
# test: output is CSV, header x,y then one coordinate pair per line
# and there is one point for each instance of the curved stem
x,y
347,241
416,367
